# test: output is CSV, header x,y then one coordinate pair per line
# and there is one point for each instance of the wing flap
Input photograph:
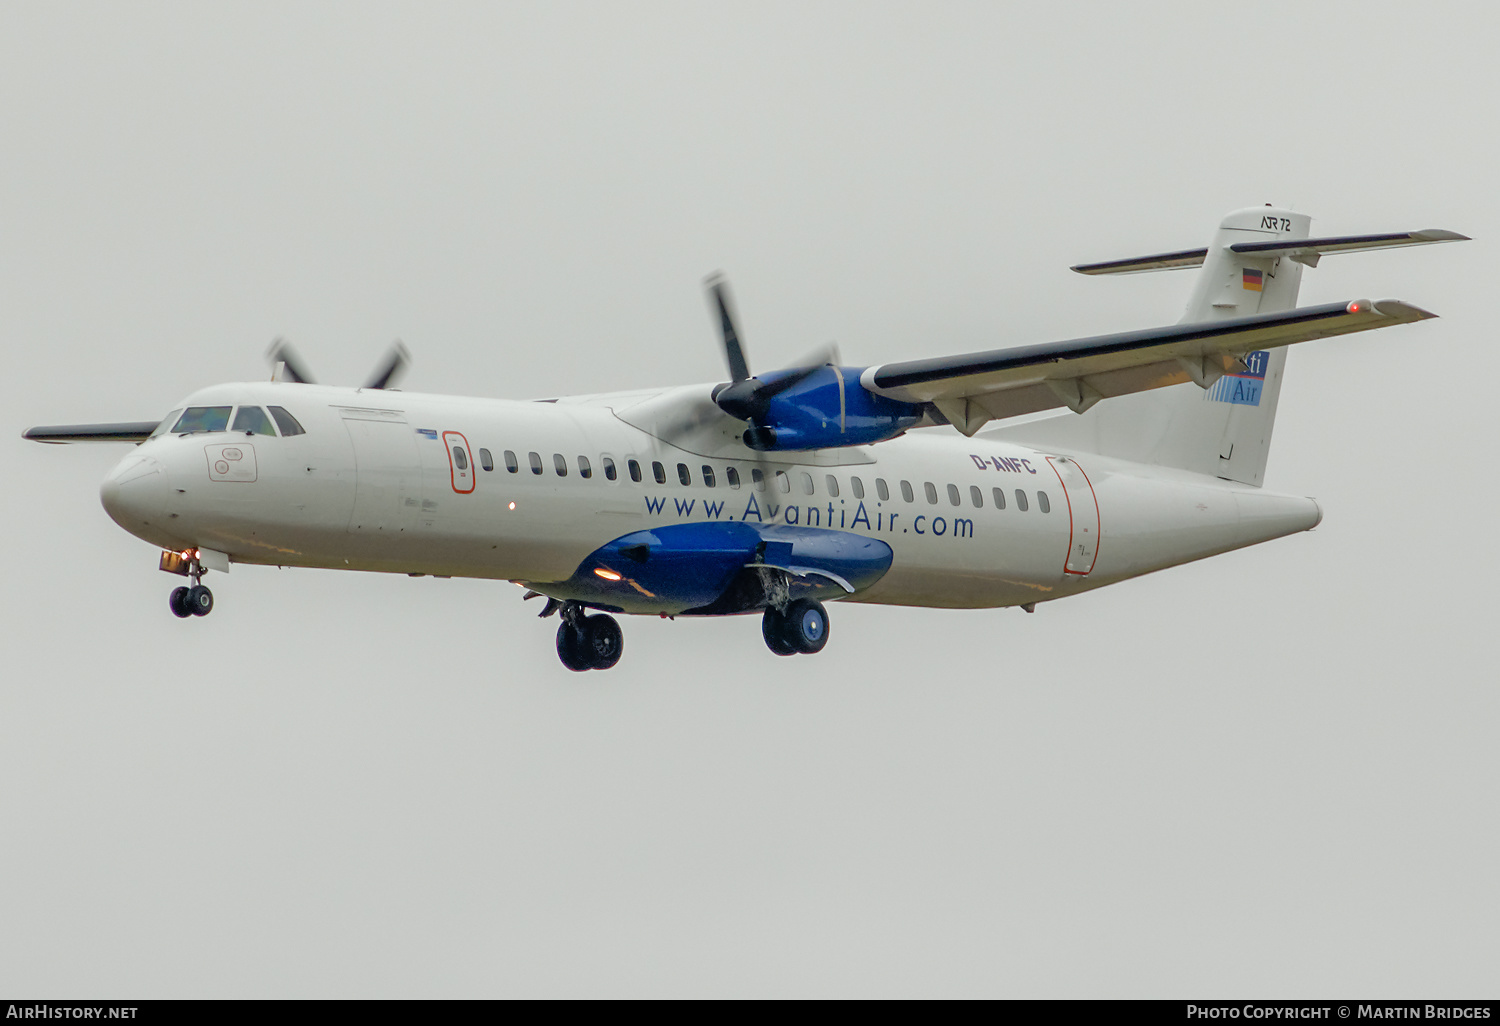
x,y
1079,372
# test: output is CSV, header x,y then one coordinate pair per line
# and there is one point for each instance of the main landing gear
x,y
588,642
188,601
802,628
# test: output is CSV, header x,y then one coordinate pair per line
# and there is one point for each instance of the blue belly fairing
x,y
695,568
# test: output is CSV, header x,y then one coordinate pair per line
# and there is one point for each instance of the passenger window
x,y
1020,500
783,482
931,490
166,423
253,421
732,476
683,477
659,472
1043,503
708,476
536,462
203,418
486,460
882,491
833,485
510,461
584,469
999,494
953,499
635,471
906,492
610,473
459,459
560,464
976,496
858,486
286,422
758,476
807,485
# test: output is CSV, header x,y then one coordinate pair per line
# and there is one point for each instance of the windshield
x,y
203,418
166,422
253,421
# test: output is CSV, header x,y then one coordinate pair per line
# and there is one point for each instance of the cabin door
x,y
387,472
1083,516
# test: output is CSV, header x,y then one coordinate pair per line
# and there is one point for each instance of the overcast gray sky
x,y
1273,772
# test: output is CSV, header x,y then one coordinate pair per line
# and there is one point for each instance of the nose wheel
x,y
196,600
801,629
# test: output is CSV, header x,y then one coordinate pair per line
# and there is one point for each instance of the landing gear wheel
x,y
177,601
603,641
199,600
593,643
773,628
570,647
806,626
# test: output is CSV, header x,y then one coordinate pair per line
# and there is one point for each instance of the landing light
x,y
513,505
608,575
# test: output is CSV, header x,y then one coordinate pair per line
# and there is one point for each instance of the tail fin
x,y
1253,265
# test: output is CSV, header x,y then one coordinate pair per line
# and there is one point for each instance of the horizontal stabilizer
x,y
1077,373
61,433
1159,262
1305,251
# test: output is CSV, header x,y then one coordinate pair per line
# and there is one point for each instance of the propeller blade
x,y
734,352
281,352
389,372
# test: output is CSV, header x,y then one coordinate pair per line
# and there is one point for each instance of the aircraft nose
x,y
135,492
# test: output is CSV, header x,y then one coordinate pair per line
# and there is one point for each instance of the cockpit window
x,y
166,422
203,418
253,420
286,422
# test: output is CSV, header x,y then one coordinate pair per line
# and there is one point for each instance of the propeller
x,y
745,397
288,365
389,372
293,369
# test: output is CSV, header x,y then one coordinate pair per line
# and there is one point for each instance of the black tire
x,y
570,647
807,626
603,641
773,628
177,602
199,601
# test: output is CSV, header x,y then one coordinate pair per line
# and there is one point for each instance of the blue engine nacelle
x,y
826,409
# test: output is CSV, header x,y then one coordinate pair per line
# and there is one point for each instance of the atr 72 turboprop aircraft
x,y
771,493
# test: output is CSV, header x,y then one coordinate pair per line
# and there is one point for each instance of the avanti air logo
x,y
1244,387
843,517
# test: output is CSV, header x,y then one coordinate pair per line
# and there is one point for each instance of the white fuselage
x,y
375,484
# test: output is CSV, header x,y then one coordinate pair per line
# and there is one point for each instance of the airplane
x,y
1004,478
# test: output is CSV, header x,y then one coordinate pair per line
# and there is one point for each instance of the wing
x,y
61,433
972,389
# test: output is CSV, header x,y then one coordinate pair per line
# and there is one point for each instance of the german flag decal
x,y
1251,279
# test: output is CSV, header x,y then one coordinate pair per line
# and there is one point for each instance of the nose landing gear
x,y
194,601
